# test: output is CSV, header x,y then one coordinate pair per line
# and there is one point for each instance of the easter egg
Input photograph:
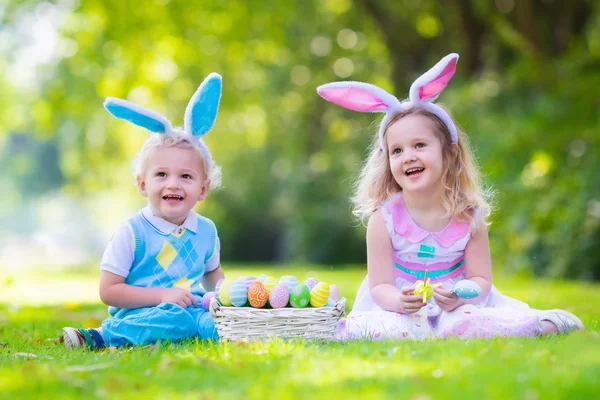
x,y
269,283
319,294
206,300
279,296
311,282
334,292
330,302
247,280
289,281
217,286
224,292
300,296
238,293
257,294
467,289
262,277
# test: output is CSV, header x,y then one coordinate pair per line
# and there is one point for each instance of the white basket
x,y
238,323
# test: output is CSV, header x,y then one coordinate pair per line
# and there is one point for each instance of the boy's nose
x,y
173,183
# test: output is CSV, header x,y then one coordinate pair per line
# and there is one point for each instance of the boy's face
x,y
173,181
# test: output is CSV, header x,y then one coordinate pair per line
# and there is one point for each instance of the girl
x,y
166,242
421,192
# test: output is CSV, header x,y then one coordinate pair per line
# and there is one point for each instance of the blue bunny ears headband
x,y
365,97
200,114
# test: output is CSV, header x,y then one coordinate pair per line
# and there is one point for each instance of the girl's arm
x,y
478,262
210,279
380,270
115,292
478,266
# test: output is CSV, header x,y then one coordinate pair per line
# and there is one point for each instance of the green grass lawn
x,y
35,306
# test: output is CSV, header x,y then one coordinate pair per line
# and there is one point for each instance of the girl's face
x,y
173,181
415,154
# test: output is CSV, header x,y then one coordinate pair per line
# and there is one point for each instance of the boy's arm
x,y
210,279
115,292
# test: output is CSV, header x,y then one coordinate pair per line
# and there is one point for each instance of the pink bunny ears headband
x,y
200,113
364,97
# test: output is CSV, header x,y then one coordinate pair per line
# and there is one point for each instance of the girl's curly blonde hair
x,y
463,189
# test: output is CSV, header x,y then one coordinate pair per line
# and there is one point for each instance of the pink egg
x,y
334,292
206,300
311,282
279,296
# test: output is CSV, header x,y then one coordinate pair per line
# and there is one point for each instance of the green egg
x,y
300,296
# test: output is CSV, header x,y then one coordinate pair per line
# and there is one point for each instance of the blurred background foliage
x,y
526,92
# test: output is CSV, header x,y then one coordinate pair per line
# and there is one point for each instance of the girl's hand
x,y
409,303
446,299
179,296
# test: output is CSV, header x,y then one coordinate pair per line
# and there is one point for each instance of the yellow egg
x,y
319,294
269,283
224,292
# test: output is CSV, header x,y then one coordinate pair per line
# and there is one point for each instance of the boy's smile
x,y
173,181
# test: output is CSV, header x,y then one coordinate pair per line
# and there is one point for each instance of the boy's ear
x,y
205,189
141,184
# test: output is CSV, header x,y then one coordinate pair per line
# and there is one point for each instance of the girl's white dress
x,y
442,255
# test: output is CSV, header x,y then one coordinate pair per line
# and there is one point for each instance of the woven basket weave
x,y
238,323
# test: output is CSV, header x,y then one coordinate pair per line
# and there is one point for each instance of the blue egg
x,y
467,289
238,293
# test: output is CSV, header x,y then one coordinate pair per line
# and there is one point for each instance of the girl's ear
x,y
429,85
358,96
201,111
140,116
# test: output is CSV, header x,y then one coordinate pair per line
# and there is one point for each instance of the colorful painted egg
x,y
217,286
334,292
279,296
300,296
467,289
257,294
311,282
248,280
330,302
224,292
206,300
319,294
289,281
238,293
262,277
269,283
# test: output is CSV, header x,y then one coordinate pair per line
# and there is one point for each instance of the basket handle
x,y
214,307
341,305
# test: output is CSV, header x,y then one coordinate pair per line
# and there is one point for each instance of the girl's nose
x,y
409,157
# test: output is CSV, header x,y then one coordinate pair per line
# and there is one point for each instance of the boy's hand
x,y
179,296
409,303
446,299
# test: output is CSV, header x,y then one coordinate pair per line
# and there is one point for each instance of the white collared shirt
x,y
119,254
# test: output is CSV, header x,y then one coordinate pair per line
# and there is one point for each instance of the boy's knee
x,y
206,327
